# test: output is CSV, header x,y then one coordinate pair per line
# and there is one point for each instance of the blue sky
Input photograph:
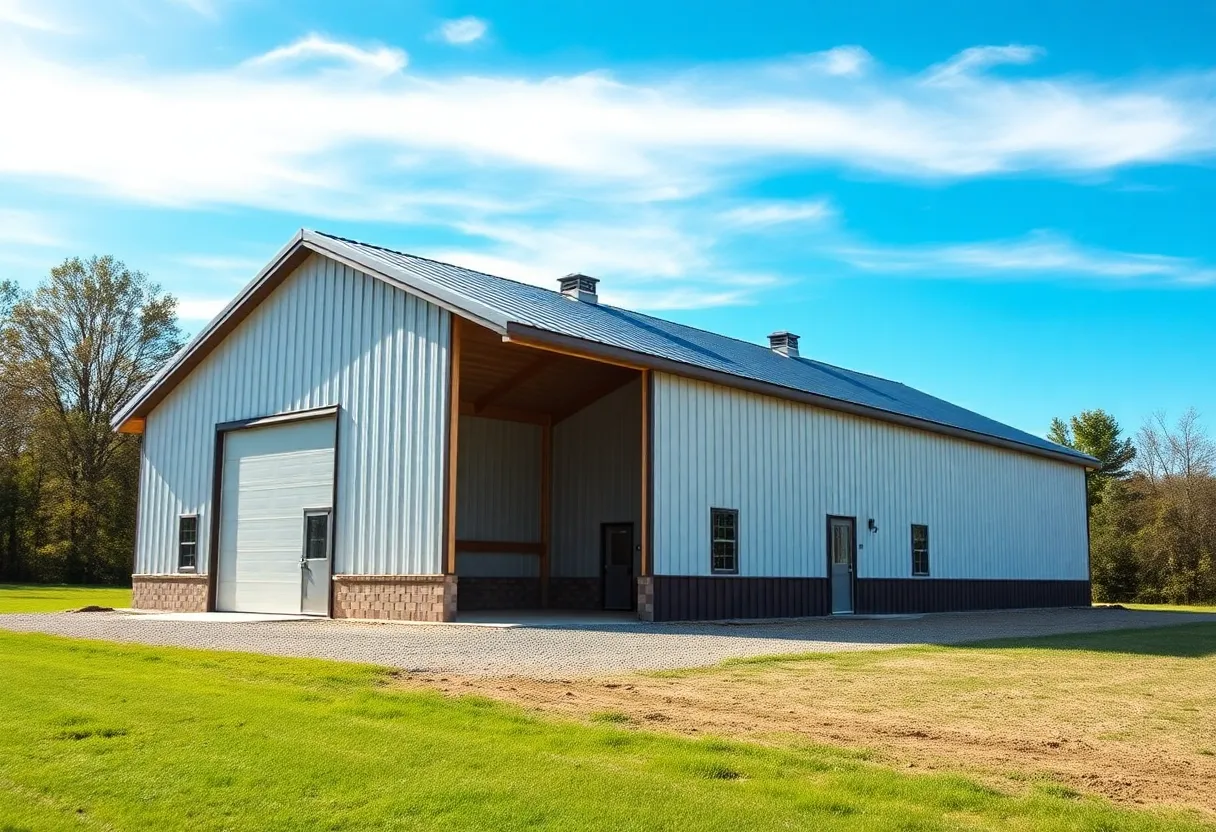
x,y
1009,205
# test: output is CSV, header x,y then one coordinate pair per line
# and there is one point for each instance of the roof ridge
x,y
443,263
755,344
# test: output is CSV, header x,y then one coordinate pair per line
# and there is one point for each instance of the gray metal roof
x,y
611,326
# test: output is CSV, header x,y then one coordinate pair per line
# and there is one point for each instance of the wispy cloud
x,y
1039,256
382,60
27,15
222,263
26,228
844,60
463,30
979,58
778,213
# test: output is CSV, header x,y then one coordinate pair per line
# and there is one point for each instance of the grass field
x,y
1129,715
101,736
56,598
1173,607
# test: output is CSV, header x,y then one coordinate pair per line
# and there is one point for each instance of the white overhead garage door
x,y
276,518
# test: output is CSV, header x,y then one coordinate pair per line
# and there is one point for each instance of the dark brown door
x,y
616,553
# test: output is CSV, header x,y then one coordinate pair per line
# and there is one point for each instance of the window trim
x,y
328,514
734,512
180,543
928,564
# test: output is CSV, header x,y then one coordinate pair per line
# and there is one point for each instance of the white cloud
x,y
200,309
778,213
26,228
223,263
345,143
1039,256
646,260
463,30
20,13
382,60
639,169
845,60
979,58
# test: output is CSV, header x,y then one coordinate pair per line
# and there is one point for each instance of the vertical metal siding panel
x,y
328,335
993,514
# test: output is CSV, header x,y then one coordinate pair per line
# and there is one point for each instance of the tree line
x,y
72,351
86,339
1152,506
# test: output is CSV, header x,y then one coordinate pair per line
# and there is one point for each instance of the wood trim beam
x,y
506,414
504,387
647,431
132,426
587,354
451,457
499,547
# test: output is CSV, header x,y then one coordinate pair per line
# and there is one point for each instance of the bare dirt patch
x,y
1139,730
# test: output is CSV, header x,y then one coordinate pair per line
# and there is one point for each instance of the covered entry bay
x,y
548,509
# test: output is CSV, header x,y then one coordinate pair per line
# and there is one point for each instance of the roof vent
x,y
784,343
580,287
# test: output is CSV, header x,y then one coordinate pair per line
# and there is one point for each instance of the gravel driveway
x,y
576,648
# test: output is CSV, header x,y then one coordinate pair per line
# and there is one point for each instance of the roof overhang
x,y
130,418
543,339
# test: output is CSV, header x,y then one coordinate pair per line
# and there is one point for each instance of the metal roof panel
x,y
612,326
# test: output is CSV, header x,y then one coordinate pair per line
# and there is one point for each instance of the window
x,y
316,535
724,541
187,543
920,550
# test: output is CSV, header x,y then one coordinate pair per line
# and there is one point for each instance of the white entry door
x,y
275,517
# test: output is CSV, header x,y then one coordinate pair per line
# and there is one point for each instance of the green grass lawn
x,y
104,736
53,598
1173,607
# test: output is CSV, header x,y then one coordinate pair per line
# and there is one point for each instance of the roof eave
x,y
524,334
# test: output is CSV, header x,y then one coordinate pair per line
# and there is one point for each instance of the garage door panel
x,y
271,476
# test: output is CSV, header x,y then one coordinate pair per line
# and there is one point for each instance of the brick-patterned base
x,y
396,597
646,598
478,593
172,593
575,594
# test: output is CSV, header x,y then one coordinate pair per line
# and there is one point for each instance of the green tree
x,y
1097,433
77,347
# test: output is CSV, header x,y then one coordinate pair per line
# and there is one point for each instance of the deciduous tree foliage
x,y
1152,526
77,347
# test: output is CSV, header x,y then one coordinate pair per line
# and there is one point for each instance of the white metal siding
x,y
271,476
787,466
498,494
328,335
597,478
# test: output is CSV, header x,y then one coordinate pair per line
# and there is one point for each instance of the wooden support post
x,y
546,496
450,462
647,565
